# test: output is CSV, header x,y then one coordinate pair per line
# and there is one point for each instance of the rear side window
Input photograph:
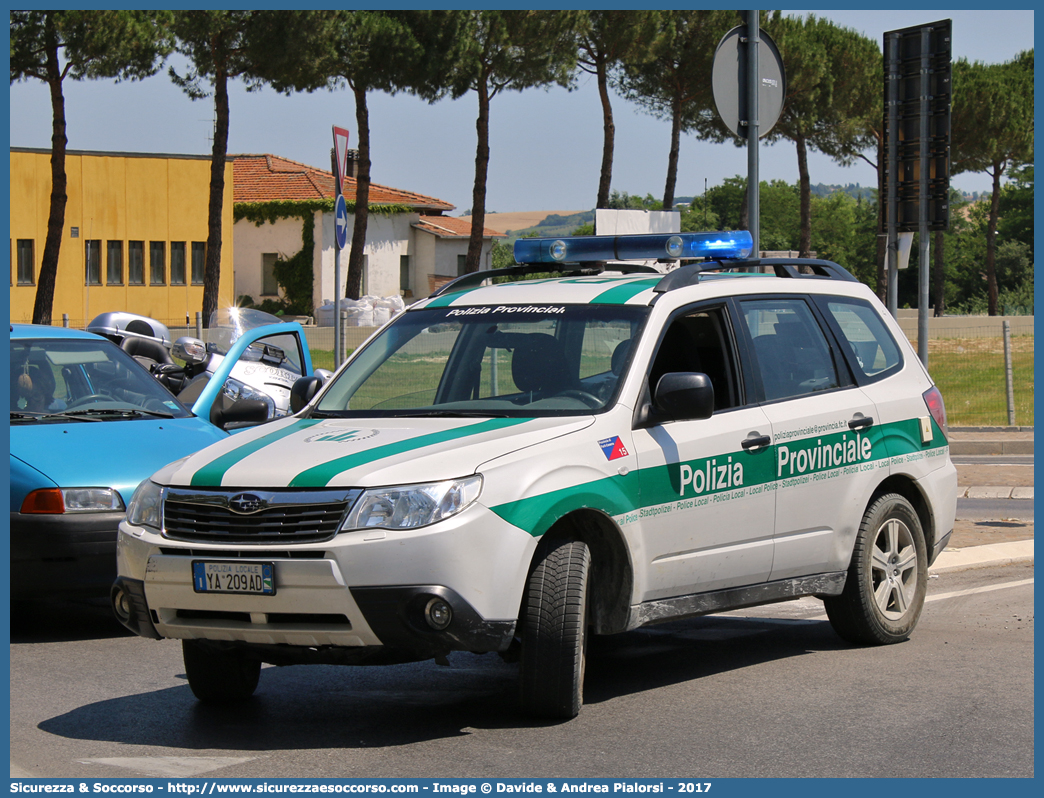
x,y
791,352
872,351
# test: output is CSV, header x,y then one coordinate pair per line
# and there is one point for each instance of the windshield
x,y
228,324
69,378
504,361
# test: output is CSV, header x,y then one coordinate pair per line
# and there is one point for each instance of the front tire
x,y
888,577
219,677
554,632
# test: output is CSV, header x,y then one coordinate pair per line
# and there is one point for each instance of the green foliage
x,y
501,255
126,45
632,202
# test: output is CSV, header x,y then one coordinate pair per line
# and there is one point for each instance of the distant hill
x,y
550,223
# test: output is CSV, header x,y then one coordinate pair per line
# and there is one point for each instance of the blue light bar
x,y
655,246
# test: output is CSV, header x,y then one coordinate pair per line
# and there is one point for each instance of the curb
x,y
991,447
994,492
983,556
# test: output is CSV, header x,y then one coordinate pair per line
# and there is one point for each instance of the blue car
x,y
88,423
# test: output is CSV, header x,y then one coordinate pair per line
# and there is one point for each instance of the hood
x,y
109,454
315,453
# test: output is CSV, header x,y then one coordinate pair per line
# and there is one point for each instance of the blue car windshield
x,y
82,379
510,361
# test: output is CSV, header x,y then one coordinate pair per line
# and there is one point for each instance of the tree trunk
x,y
356,257
478,197
44,301
940,276
991,241
212,270
672,157
805,193
608,136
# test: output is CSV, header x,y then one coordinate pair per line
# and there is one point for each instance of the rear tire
x,y
554,632
219,677
888,577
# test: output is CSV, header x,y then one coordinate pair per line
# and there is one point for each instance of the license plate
x,y
233,576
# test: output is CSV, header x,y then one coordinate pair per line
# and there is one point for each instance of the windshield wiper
x,y
23,415
126,412
452,414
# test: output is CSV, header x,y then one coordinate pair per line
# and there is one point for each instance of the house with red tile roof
x,y
411,246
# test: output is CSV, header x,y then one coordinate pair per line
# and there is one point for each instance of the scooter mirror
x,y
192,350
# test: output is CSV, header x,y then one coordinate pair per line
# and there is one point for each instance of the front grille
x,y
272,518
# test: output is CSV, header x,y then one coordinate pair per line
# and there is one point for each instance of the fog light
x,y
438,614
120,603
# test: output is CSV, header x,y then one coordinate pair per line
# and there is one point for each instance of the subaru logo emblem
x,y
246,503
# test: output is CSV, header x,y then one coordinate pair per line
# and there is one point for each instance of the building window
x,y
269,284
404,273
26,266
92,261
199,261
462,264
177,262
157,263
136,263
114,263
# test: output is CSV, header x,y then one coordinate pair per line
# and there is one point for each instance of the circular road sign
x,y
729,81
340,221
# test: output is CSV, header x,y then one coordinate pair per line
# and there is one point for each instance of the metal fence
x,y
986,378
982,386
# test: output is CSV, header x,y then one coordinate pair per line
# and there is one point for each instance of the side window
x,y
791,352
872,350
699,342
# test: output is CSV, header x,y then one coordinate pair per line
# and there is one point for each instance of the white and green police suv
x,y
509,466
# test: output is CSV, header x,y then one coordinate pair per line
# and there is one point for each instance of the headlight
x,y
146,507
410,506
72,500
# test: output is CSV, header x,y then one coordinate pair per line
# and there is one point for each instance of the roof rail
x,y
804,268
595,267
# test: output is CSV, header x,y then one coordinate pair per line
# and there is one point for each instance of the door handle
x,y
860,423
756,443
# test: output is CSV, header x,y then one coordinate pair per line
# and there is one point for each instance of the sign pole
x,y
923,270
892,206
337,268
753,178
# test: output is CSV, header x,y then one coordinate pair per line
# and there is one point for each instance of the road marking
x,y
973,590
957,593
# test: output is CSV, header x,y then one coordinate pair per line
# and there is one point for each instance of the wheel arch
x,y
908,488
612,574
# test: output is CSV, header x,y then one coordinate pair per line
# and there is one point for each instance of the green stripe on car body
x,y
320,475
727,476
213,472
619,294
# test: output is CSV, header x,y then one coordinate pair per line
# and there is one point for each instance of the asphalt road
x,y
766,692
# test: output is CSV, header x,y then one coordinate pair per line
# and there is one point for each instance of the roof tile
x,y
266,178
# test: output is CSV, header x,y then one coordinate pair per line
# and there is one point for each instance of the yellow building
x,y
134,236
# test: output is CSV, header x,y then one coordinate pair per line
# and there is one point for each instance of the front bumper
x,y
68,553
360,597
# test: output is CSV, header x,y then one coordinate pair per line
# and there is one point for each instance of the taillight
x,y
936,406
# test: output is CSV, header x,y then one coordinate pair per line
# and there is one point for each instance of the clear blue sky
x,y
545,145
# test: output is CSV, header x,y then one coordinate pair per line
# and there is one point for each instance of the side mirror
x,y
192,350
303,390
684,396
242,411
